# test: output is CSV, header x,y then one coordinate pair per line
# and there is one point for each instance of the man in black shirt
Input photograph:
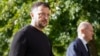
x,y
31,41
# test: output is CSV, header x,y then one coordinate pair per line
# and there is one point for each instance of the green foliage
x,y
13,15
66,15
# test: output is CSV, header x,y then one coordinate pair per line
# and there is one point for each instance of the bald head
x,y
85,30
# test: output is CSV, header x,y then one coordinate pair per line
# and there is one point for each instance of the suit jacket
x,y
29,41
77,48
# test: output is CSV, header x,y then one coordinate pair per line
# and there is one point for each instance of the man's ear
x,y
83,30
31,14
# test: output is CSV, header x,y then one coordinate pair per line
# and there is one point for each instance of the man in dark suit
x,y
30,40
79,47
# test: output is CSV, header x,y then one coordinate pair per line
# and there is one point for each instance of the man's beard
x,y
42,25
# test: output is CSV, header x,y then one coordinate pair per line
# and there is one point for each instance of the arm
x,y
73,50
19,45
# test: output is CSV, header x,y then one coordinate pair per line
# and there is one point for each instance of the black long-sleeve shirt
x,y
29,41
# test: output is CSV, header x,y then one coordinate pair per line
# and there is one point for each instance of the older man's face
x,y
89,33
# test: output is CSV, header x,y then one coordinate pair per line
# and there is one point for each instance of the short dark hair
x,y
39,4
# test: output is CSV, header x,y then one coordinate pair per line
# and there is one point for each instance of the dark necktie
x,y
88,49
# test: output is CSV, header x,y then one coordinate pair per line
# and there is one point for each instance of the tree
x,y
65,17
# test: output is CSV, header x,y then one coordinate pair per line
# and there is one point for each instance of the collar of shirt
x,y
84,42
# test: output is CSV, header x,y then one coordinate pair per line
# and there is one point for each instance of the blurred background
x,y
64,19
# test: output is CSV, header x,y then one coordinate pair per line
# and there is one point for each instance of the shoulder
x,y
22,32
75,43
74,48
25,28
